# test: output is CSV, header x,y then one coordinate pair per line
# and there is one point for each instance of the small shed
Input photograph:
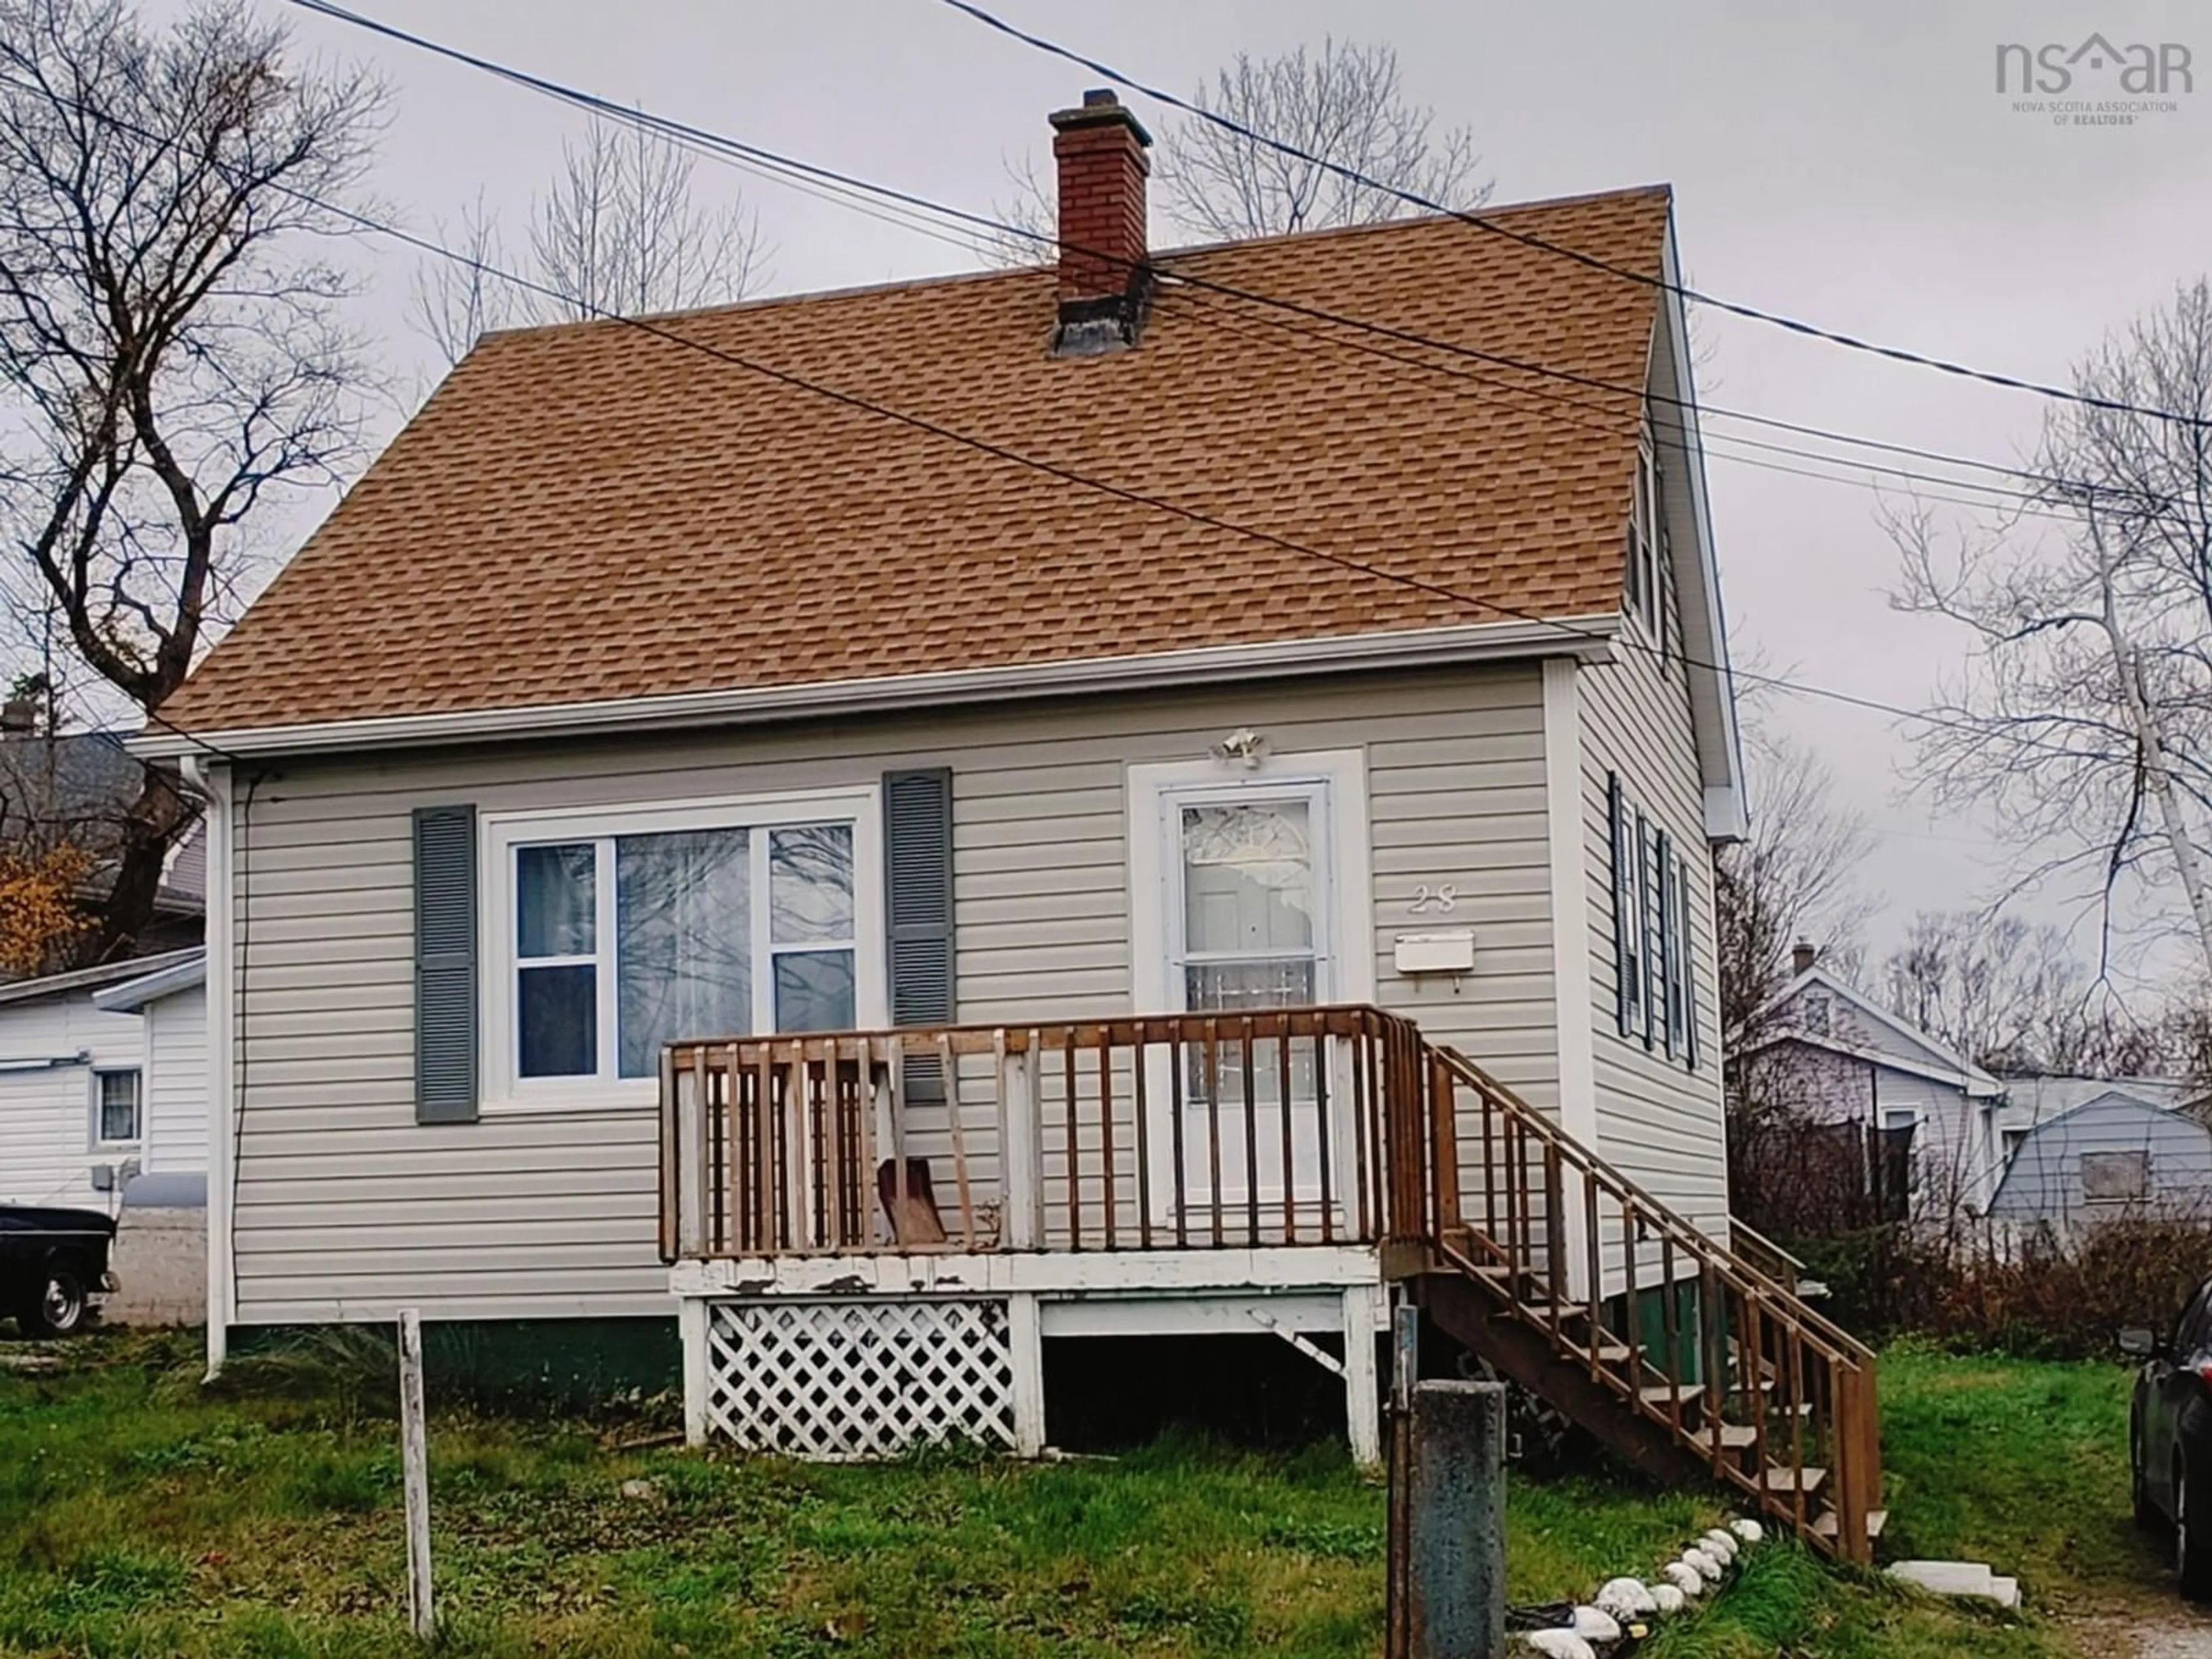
x,y
2117,1154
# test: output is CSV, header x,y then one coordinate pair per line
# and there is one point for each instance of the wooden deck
x,y
1236,1157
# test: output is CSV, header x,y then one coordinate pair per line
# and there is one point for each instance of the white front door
x,y
1255,892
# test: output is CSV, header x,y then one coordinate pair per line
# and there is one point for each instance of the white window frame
x,y
1334,781
98,1139
501,1088
1645,602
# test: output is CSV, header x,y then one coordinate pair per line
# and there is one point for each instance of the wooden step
x,y
1734,1436
1783,1481
1827,1524
1665,1394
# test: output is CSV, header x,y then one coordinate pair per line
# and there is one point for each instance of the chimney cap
x,y
1099,107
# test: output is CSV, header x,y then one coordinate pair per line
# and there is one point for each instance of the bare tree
x,y
1344,104
456,303
2013,996
172,356
618,234
1796,878
2084,716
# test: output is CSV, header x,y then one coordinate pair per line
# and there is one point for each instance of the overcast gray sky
x,y
1854,166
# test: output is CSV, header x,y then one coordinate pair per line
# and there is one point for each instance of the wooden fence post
x,y
414,1476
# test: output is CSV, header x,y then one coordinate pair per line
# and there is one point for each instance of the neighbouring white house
x,y
2124,1151
1839,1058
886,829
103,1106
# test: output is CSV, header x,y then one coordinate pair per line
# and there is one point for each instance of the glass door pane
x,y
1248,936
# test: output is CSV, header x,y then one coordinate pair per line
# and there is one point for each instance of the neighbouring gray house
x,y
2116,1154
1830,1050
2033,1099
857,825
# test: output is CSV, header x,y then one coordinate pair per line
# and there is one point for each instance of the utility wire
x,y
661,331
1489,223
990,230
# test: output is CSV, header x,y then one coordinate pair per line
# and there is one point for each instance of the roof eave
x,y
1587,638
1713,681
134,994
1974,1078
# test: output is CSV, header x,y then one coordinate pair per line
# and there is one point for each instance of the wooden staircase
x,y
1675,1351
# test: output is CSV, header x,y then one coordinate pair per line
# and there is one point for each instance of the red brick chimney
x,y
1099,148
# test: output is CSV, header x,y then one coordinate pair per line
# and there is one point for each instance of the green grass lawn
x,y
139,1517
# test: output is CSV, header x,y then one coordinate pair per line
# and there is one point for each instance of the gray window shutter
x,y
918,885
444,964
1670,987
1627,959
1654,985
1684,933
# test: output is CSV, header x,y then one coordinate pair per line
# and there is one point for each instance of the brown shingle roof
x,y
590,512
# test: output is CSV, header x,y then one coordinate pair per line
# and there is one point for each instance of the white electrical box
x,y
1451,952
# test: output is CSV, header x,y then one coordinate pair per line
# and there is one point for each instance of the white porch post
x,y
691,1327
1025,1330
1364,1307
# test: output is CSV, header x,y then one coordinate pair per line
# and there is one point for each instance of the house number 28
x,y
1432,901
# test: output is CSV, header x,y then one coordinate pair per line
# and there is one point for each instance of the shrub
x,y
2051,1294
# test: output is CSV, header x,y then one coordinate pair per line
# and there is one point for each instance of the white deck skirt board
x,y
1249,1315
1056,1273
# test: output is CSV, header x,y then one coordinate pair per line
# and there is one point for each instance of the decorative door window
x,y
1250,939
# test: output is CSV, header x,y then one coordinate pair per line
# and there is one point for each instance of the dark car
x,y
52,1264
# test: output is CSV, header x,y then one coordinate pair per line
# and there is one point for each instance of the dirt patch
x,y
2151,1626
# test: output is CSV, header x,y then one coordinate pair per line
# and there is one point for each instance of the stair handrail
x,y
1684,1233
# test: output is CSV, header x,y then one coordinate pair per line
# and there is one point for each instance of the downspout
x,y
213,783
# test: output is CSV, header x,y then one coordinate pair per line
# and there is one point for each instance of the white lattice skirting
x,y
835,1381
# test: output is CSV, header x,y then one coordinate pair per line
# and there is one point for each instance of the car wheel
x,y
2192,1530
2148,1516
60,1309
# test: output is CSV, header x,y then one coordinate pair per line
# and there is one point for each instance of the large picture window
x,y
619,933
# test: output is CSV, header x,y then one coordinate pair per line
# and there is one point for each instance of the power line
x,y
1795,325
1052,468
788,169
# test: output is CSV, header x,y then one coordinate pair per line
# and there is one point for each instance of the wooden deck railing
x,y
1285,1127
1189,1131
1778,1400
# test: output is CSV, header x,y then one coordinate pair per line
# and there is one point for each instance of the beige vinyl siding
x,y
1659,1120
345,1206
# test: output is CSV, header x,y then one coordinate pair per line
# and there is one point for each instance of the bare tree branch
x,y
172,347
2083,715
1344,103
617,234
1796,878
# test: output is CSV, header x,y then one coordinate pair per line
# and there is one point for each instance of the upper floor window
x,y
1648,554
